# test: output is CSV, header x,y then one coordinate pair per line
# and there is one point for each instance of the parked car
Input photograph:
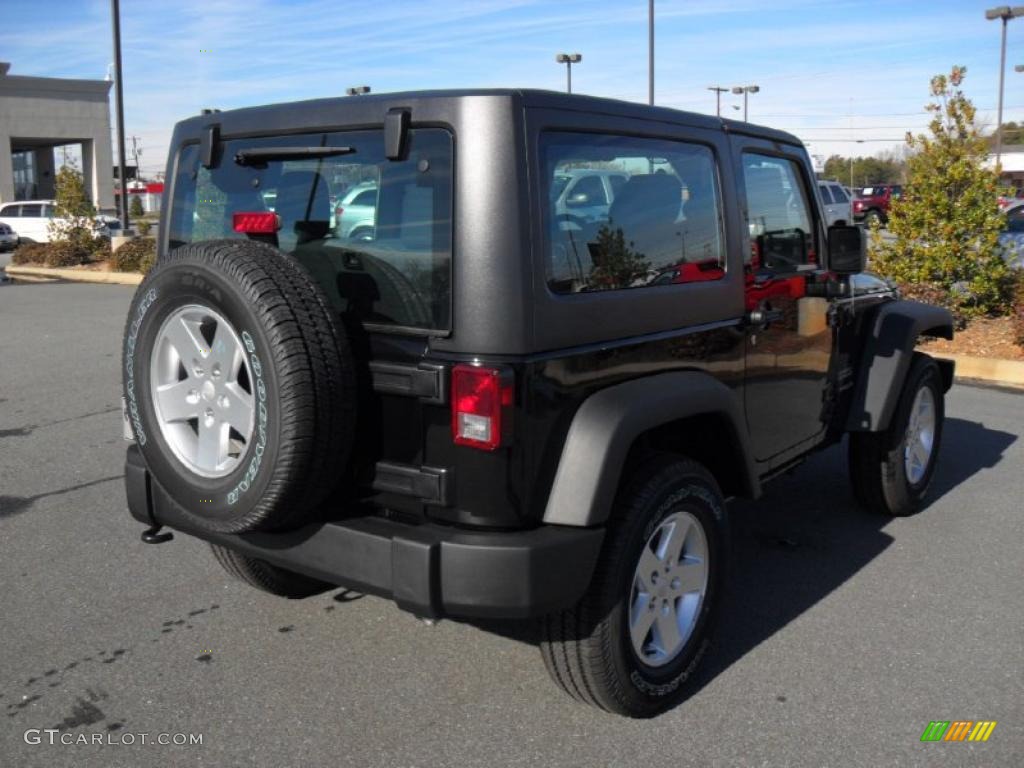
x,y
837,206
584,195
354,216
30,220
1011,239
872,205
8,238
482,415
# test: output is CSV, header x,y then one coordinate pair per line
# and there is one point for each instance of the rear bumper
x,y
430,570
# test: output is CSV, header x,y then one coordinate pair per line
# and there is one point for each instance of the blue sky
x,y
828,71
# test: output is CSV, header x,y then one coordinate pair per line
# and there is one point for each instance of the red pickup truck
x,y
872,203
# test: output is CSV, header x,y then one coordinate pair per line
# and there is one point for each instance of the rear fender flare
x,y
608,423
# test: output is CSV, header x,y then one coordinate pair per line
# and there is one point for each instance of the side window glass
x,y
839,194
826,195
11,211
662,227
33,211
778,215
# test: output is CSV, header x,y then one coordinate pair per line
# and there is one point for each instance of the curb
x,y
76,275
1007,373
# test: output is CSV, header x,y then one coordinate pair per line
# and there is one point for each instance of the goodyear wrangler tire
x,y
240,385
644,624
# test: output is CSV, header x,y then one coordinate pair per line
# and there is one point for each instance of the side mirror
x,y
846,251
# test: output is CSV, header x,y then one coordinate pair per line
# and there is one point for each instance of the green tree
x,y
74,214
866,170
136,209
947,223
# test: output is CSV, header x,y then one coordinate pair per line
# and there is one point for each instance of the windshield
x,y
375,234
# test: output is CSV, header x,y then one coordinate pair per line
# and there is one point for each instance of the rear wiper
x,y
259,156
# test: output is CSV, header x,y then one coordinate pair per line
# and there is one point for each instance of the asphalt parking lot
x,y
844,636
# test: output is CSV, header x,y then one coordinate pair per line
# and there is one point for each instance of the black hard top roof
x,y
527,97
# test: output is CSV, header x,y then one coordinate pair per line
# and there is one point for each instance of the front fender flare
x,y
893,329
608,422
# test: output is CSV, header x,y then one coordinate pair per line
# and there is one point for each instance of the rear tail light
x,y
338,211
255,222
478,395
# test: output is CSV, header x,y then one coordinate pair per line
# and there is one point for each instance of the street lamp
x,y
1018,67
358,90
1004,13
745,90
718,97
568,59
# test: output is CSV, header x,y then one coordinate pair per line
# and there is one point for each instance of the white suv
x,y
30,220
837,205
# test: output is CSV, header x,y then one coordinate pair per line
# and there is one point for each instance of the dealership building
x,y
39,114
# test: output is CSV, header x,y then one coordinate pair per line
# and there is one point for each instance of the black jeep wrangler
x,y
381,349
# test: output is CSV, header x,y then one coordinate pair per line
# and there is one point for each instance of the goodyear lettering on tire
x,y
260,388
129,365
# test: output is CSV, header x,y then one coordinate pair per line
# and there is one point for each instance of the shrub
x,y
1017,313
135,256
947,223
144,227
30,253
136,209
67,253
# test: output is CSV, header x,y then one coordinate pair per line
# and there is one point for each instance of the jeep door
x,y
789,341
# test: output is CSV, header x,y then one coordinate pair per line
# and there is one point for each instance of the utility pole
x,y
718,97
115,11
135,153
650,52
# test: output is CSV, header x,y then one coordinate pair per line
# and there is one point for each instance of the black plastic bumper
x,y
430,570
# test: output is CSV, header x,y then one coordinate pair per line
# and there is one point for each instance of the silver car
x,y
8,240
355,215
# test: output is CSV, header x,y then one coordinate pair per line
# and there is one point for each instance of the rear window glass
x,y
375,234
826,194
661,225
839,194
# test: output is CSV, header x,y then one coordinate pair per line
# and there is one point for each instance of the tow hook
x,y
152,535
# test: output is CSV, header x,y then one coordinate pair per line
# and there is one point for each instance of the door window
x,y
839,194
778,214
826,195
32,210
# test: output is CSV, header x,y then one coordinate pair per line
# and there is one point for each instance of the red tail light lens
x,y
255,222
478,395
338,211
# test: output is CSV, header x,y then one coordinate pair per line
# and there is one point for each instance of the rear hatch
x,y
386,269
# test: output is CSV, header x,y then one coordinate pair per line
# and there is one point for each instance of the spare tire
x,y
240,385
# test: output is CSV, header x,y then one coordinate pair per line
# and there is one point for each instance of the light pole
x,y
568,59
718,97
1004,13
746,90
115,12
859,141
357,90
650,52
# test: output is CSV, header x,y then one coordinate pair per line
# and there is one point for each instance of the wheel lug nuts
x,y
215,372
208,417
222,401
192,397
675,583
654,577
